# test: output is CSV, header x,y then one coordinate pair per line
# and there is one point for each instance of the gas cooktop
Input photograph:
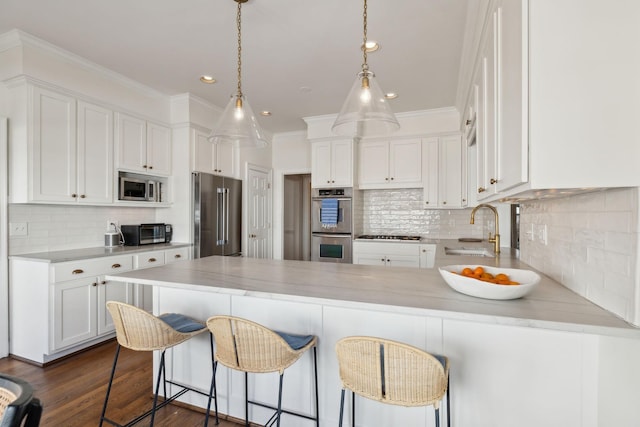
x,y
388,237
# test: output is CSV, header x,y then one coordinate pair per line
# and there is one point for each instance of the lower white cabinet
x,y
143,293
394,254
59,308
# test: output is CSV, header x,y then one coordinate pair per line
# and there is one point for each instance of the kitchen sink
x,y
481,252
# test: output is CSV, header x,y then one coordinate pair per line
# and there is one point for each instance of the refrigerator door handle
x,y
220,210
226,216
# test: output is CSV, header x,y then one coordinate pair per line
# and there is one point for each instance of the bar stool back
x,y
247,346
393,373
141,331
17,403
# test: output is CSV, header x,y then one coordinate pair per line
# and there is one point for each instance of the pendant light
x,y
365,112
238,124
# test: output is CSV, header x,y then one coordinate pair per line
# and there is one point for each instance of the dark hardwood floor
x,y
72,390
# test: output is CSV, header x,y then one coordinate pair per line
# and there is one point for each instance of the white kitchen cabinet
x,y
68,153
332,163
144,293
390,254
142,146
390,164
427,255
444,177
59,308
549,106
219,159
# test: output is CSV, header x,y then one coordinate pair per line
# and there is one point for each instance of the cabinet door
x,y
203,153
403,261
427,256
373,164
342,163
131,143
321,164
74,312
430,162
512,124
450,171
226,159
95,154
487,149
405,162
158,149
370,259
54,147
110,291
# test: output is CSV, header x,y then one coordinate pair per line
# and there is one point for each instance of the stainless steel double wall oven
x,y
331,225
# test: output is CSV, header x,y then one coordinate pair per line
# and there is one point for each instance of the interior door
x,y
259,212
4,287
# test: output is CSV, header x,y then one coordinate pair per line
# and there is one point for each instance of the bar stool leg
x,y
353,409
448,403
155,397
280,399
246,399
437,412
341,407
113,372
315,370
213,391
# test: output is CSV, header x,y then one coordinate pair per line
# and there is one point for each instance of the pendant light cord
x,y
365,66
239,25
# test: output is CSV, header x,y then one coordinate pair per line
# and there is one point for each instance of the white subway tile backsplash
x,y
400,212
592,246
52,227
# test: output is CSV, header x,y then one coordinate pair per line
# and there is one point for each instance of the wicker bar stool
x,y
141,331
391,372
17,403
247,346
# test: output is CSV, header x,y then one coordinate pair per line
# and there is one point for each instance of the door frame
x,y
278,209
4,241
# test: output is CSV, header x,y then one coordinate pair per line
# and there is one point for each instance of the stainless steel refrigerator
x,y
217,215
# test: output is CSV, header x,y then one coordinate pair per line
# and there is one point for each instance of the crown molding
x,y
16,37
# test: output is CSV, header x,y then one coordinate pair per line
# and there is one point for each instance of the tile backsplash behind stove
x,y
400,212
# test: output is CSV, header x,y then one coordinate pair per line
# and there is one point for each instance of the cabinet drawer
x,y
387,248
177,254
91,267
149,259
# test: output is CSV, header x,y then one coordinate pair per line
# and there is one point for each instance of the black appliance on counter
x,y
146,234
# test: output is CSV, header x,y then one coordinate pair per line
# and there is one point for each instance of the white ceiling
x,y
287,45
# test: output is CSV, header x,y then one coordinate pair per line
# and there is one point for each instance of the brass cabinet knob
x,y
150,167
444,203
77,271
152,260
468,122
82,196
426,202
481,190
104,282
177,256
94,284
328,181
74,195
144,166
493,180
116,266
391,178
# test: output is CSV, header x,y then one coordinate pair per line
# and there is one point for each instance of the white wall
x,y
291,154
592,246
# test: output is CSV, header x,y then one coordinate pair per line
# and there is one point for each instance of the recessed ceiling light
x,y
207,79
265,113
371,46
391,95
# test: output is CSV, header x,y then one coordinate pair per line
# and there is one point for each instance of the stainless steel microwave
x,y
139,189
146,234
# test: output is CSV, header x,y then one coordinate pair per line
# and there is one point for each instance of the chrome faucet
x,y
496,238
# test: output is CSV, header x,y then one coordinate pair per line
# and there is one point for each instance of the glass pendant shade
x,y
365,112
239,125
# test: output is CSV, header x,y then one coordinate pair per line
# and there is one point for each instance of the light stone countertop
x,y
389,289
98,252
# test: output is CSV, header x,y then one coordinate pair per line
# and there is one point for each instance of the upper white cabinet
x,y
540,107
142,146
68,153
444,177
390,164
332,163
220,159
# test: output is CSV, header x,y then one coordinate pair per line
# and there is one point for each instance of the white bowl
x,y
476,288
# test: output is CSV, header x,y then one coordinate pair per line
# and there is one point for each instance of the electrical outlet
x,y
18,229
530,234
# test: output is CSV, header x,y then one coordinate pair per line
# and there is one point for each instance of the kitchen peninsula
x,y
551,358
